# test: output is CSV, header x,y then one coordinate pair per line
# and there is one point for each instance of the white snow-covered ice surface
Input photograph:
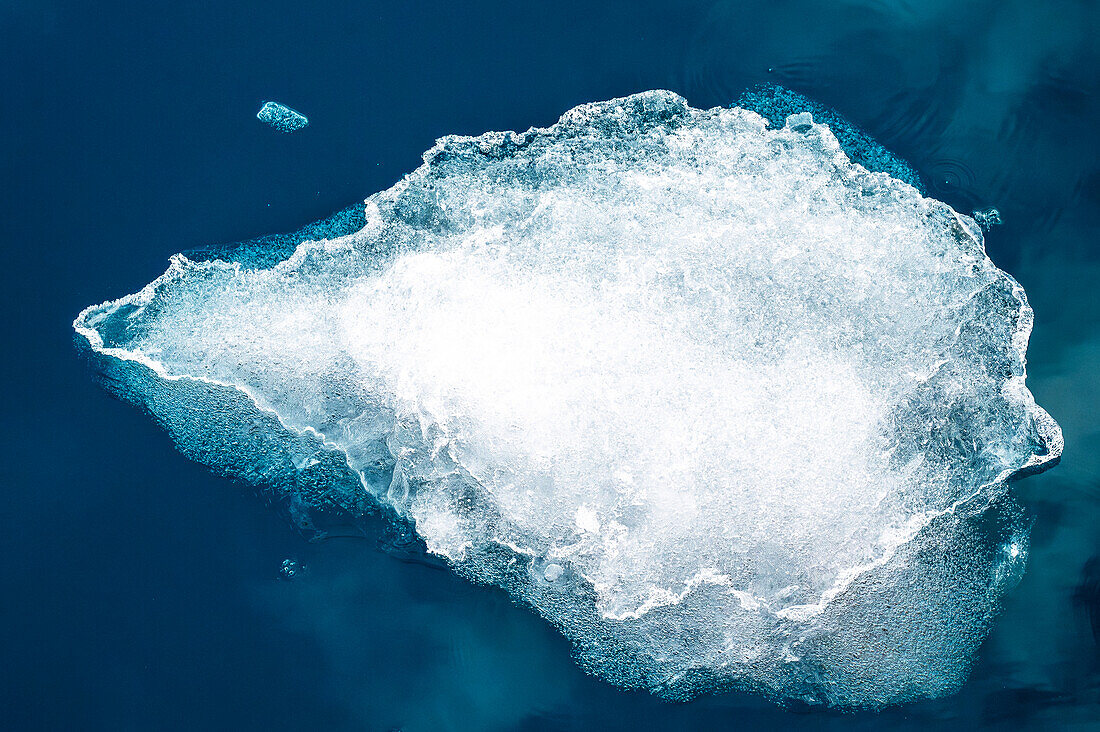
x,y
729,410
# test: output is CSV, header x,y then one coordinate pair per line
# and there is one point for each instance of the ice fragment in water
x,y
281,117
290,569
726,408
987,218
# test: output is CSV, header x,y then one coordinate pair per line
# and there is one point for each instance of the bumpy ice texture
x,y
281,117
726,408
775,104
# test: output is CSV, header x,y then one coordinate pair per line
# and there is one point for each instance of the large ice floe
x,y
729,410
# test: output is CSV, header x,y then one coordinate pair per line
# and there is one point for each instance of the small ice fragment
x,y
552,572
987,218
800,122
281,117
290,568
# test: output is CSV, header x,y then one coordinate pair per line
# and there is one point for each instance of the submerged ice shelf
x,y
728,409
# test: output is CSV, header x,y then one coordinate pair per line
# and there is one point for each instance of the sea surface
x,y
141,592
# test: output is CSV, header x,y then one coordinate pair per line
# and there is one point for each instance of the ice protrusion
x,y
800,122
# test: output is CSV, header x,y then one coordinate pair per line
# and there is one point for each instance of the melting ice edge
x,y
727,408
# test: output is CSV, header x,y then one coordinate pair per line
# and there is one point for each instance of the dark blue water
x,y
140,592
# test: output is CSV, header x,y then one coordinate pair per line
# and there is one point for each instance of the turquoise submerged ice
x,y
281,117
727,409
